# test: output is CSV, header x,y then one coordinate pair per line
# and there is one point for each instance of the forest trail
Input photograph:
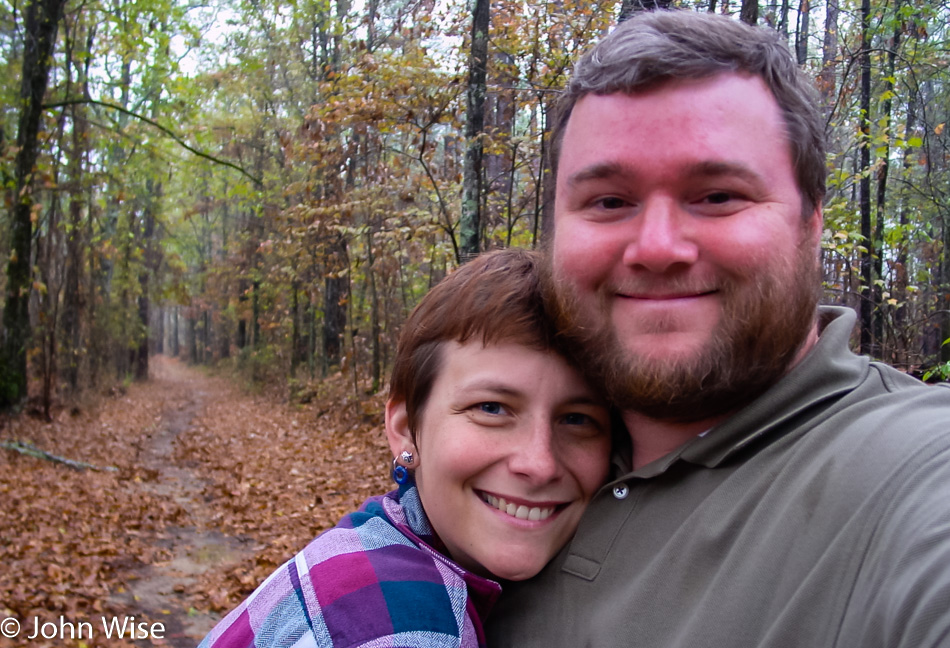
x,y
208,489
157,591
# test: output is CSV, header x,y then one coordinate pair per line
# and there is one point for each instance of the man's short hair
x,y
494,298
652,48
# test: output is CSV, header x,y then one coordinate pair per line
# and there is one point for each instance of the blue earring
x,y
400,474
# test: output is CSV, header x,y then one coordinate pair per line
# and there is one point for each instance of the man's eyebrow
x,y
601,171
718,168
704,169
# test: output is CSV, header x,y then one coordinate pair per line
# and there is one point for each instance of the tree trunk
x,y
191,334
376,368
160,332
903,270
881,197
944,292
295,327
510,180
864,186
630,7
49,299
241,333
749,13
335,298
149,269
372,8
73,296
829,56
176,333
207,337
256,314
312,335
112,305
42,20
470,226
501,165
801,37
544,190
140,353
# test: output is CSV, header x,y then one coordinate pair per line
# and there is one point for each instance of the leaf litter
x,y
213,489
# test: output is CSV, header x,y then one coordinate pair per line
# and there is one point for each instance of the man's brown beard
x,y
761,329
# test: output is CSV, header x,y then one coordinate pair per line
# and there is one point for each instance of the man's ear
x,y
397,427
815,225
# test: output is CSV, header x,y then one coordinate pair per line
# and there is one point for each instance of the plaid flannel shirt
x,y
374,580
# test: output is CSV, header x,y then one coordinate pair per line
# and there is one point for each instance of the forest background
x,y
275,184
269,187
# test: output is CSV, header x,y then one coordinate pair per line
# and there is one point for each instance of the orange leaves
x,y
62,531
215,489
280,475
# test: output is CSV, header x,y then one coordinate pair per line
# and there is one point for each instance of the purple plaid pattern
x,y
373,581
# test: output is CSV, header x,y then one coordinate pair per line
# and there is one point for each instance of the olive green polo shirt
x,y
818,516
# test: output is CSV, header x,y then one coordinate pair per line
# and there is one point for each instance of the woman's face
x,y
511,446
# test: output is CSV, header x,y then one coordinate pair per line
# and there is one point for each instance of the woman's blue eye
x,y
490,408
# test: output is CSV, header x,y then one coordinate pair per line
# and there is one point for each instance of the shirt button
x,y
621,491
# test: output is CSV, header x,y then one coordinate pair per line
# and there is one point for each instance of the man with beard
x,y
782,491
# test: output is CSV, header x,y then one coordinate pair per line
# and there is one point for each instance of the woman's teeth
x,y
521,511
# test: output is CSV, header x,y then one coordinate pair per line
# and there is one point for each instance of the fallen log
x,y
32,451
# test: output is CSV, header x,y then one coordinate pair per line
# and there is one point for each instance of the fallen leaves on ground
x,y
282,475
261,472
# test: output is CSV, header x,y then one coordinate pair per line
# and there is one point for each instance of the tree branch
x,y
170,133
32,451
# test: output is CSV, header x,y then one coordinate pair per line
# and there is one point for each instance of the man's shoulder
x,y
883,434
900,401
895,380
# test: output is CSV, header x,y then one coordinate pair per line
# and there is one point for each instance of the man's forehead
x,y
712,104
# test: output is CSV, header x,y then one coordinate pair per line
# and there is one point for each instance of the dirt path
x,y
255,480
159,591
208,489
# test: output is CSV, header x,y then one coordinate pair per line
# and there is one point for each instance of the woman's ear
x,y
397,428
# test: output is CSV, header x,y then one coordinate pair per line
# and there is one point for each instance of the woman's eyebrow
x,y
585,400
490,385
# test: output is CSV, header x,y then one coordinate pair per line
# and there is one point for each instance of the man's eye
x,y
612,202
719,198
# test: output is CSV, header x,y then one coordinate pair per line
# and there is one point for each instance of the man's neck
x,y
655,438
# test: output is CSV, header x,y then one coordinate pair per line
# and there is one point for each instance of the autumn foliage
x,y
274,185
214,488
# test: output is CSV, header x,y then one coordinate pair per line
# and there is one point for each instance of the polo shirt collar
x,y
828,371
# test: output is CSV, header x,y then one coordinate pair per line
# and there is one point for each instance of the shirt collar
x,y
827,371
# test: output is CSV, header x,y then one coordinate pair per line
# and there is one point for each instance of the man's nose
x,y
659,240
